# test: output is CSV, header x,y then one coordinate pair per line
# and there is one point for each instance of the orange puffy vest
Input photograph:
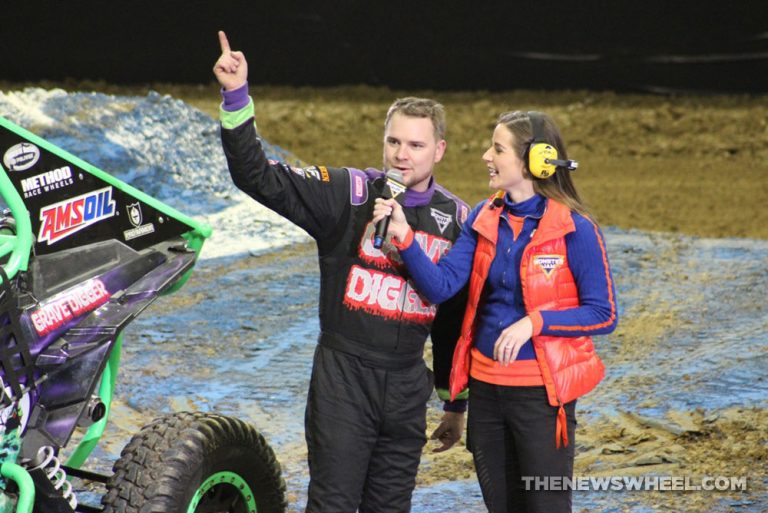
x,y
569,365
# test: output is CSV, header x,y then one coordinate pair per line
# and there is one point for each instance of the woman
x,y
539,286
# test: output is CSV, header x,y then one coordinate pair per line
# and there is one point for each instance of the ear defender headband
x,y
542,156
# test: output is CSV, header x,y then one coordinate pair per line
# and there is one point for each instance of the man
x,y
366,408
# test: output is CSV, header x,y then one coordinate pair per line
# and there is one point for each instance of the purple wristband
x,y
236,99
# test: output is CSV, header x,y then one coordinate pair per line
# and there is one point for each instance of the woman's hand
x,y
508,345
398,226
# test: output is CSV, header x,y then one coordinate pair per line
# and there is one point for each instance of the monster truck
x,y
81,255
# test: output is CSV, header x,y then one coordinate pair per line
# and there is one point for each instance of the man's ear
x,y
440,151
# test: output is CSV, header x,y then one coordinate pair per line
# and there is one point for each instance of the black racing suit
x,y
366,417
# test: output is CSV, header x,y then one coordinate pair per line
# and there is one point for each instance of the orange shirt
x,y
519,373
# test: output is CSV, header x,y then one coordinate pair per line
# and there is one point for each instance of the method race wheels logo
x,y
21,157
45,182
60,220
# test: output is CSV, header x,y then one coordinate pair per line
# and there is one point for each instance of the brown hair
x,y
559,186
419,108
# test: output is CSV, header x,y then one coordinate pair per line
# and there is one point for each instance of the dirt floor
x,y
688,444
695,165
695,444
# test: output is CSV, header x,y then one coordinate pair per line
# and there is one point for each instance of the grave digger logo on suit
x,y
386,295
548,263
375,288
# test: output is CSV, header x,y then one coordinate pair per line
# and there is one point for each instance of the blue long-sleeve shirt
x,y
502,304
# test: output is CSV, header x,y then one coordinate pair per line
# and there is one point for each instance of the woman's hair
x,y
559,186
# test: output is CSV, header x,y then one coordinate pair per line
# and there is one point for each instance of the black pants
x,y
511,433
365,429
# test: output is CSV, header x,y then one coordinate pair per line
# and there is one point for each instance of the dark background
x,y
640,45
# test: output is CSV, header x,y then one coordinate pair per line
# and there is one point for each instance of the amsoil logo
x,y
60,220
548,263
21,157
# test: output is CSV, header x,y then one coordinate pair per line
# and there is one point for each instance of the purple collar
x,y
419,199
412,198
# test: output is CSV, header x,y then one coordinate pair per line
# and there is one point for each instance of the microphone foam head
x,y
395,185
395,174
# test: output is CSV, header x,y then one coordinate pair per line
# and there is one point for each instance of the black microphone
x,y
392,189
497,201
569,164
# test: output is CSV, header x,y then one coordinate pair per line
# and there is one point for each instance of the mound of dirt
x,y
687,164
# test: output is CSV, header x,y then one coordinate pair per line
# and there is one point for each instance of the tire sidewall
x,y
161,469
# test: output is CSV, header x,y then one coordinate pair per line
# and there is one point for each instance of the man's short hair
x,y
419,108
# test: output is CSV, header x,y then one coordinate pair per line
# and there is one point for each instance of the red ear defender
x,y
542,156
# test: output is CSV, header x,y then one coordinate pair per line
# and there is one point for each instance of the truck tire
x,y
196,463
